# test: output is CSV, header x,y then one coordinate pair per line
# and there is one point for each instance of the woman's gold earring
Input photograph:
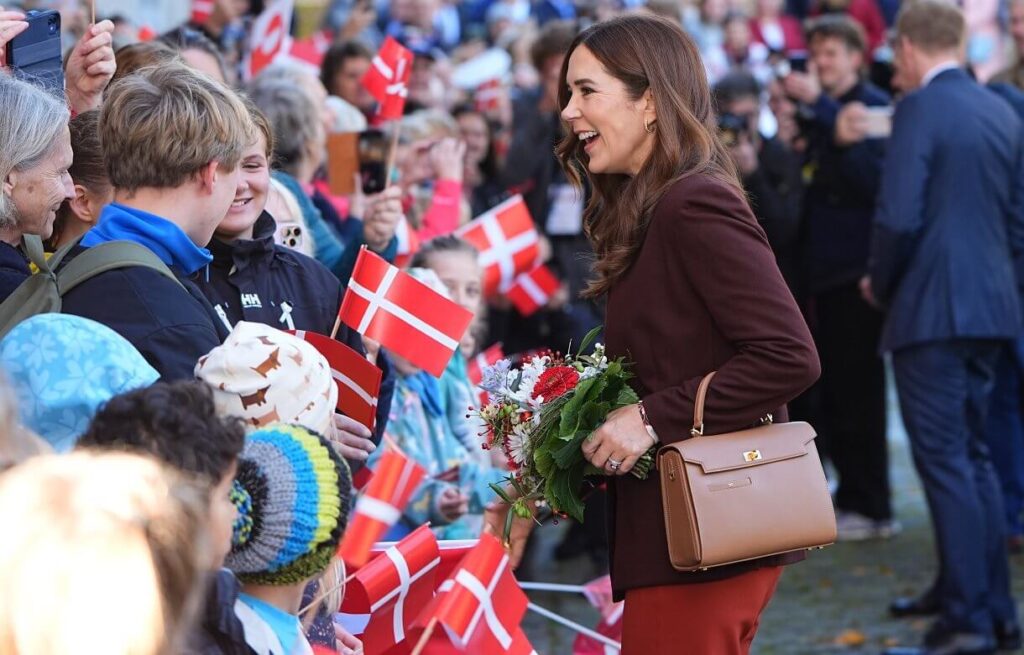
x,y
648,126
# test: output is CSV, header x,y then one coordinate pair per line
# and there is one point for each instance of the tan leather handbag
x,y
743,495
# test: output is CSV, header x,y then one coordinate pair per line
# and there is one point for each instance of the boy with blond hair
x,y
172,142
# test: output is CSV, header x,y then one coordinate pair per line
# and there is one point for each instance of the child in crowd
x,y
62,368
264,376
428,421
178,424
293,498
101,553
253,279
454,260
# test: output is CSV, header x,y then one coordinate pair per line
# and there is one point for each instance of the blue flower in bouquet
x,y
495,377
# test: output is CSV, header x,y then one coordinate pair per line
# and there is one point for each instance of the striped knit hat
x,y
293,495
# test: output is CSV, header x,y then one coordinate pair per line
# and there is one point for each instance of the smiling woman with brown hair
x,y
691,287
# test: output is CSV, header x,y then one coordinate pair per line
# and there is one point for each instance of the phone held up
x,y
35,54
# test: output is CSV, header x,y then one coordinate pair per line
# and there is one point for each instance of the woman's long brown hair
x,y
644,52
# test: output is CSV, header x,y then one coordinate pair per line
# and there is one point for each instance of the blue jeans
x,y
944,390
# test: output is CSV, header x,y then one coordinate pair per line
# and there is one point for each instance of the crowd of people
x,y
185,208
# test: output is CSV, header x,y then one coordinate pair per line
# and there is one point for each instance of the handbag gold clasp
x,y
752,456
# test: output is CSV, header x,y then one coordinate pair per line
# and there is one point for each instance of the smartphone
x,y
373,161
798,62
879,122
290,235
35,54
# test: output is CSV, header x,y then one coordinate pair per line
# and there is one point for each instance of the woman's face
x,y
38,192
602,114
250,195
460,272
473,129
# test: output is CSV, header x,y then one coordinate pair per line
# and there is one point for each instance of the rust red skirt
x,y
707,618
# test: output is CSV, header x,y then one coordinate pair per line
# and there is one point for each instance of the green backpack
x,y
43,292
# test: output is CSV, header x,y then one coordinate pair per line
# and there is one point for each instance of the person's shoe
x,y
1008,636
953,643
924,605
851,526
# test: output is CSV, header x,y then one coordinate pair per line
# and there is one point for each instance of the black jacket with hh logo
x,y
261,282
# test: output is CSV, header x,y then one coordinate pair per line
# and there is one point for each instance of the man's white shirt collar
x,y
938,70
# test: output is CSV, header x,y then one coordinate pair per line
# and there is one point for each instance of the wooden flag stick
x,y
324,594
425,637
337,326
93,6
393,153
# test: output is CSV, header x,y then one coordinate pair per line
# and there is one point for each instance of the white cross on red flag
x,y
270,37
387,79
481,605
393,588
403,314
358,380
379,507
313,48
475,367
488,96
201,11
508,243
533,290
599,593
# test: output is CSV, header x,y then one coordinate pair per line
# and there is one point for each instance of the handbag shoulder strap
x,y
698,405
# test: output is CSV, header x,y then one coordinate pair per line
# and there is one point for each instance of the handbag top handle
x,y
698,405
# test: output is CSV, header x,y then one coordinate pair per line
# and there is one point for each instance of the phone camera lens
x,y
53,26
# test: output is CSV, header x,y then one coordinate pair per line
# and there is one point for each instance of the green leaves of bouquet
x,y
574,396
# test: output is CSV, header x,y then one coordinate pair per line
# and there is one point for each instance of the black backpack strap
x,y
109,256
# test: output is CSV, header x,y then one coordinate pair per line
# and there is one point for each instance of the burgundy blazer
x,y
704,294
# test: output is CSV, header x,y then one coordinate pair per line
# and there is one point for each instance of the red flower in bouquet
x,y
556,381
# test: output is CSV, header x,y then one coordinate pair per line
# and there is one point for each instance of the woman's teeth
x,y
586,136
241,203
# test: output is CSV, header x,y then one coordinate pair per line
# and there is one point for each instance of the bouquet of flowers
x,y
539,417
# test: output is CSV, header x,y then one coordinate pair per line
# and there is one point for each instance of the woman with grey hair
x,y
35,154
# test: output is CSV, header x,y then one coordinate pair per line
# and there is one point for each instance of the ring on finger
x,y
614,464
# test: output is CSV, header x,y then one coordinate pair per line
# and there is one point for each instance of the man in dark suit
x,y
948,226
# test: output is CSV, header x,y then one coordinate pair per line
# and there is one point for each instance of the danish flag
x,y
313,48
488,96
507,241
533,290
201,11
599,593
380,506
358,380
481,605
393,588
403,314
475,367
387,79
408,243
270,38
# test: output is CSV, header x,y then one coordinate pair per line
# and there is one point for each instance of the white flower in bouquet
x,y
518,443
528,380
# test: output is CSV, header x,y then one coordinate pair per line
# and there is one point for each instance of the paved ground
x,y
835,602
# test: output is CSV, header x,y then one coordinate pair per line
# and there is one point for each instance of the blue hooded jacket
x,y
170,326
